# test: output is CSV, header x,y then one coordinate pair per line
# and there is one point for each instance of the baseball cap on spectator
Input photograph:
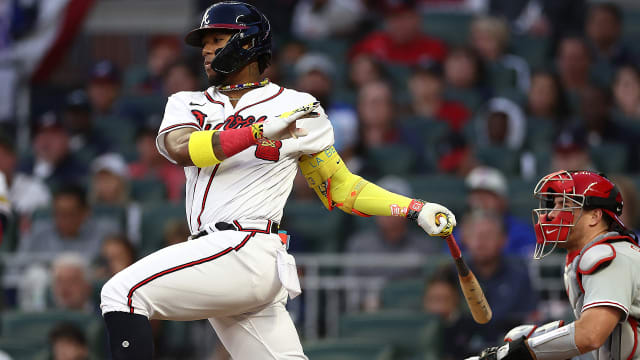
x,y
429,67
49,121
110,162
77,100
451,151
105,71
570,141
314,62
488,179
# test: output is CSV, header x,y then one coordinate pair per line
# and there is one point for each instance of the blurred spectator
x,y
321,19
180,76
631,199
104,87
464,70
110,187
175,232
109,183
392,235
26,193
626,90
454,155
573,62
490,38
571,151
77,119
426,85
71,283
377,117
72,227
505,280
68,342
489,192
547,99
540,17
604,31
116,253
52,160
595,117
502,124
442,297
364,69
315,73
376,111
164,50
402,41
151,164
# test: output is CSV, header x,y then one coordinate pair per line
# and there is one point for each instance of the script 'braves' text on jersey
x,y
255,183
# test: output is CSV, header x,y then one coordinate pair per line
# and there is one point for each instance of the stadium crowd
x,y
465,103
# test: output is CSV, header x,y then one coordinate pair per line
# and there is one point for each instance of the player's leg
x,y
265,334
221,274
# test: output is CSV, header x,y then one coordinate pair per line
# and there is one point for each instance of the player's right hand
x,y
283,126
431,219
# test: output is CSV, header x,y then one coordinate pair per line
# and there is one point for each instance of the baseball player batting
x,y
580,211
240,142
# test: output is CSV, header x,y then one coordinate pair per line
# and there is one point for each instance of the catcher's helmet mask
x,y
579,190
252,29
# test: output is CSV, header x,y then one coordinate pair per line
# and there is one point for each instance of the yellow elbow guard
x,y
201,149
327,174
335,185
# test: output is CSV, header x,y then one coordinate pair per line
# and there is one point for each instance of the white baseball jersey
x,y
604,274
255,183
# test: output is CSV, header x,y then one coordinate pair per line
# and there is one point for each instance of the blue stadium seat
x,y
452,28
409,332
403,294
154,218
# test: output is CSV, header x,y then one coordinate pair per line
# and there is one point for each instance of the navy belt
x,y
223,226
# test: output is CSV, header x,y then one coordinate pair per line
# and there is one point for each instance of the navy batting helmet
x,y
252,28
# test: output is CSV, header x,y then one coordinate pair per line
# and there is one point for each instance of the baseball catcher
x,y
580,211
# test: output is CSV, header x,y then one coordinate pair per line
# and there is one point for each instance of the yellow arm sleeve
x,y
336,186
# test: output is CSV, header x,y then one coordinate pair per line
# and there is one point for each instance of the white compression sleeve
x,y
558,344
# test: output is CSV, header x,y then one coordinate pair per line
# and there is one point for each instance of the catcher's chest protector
x,y
622,344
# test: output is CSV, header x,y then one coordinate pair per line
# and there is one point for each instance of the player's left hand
x,y
283,126
514,350
492,353
431,219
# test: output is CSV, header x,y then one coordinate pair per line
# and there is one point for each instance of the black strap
x,y
223,226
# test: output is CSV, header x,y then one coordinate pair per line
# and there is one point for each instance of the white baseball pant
x,y
229,277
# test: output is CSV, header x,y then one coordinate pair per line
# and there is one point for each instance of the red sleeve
x,y
369,45
455,114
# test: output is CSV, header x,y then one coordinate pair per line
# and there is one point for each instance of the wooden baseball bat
x,y
473,294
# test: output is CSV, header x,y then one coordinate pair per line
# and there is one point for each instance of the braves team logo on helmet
x,y
253,31
564,194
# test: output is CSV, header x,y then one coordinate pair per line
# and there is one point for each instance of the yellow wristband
x,y
201,149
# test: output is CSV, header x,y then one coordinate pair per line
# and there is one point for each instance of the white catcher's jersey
x,y
255,183
616,285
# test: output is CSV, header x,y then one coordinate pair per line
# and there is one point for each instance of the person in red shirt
x,y
151,164
402,42
426,86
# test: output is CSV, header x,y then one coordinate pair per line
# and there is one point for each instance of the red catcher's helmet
x,y
579,190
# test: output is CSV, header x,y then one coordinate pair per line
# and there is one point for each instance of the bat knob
x,y
448,229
